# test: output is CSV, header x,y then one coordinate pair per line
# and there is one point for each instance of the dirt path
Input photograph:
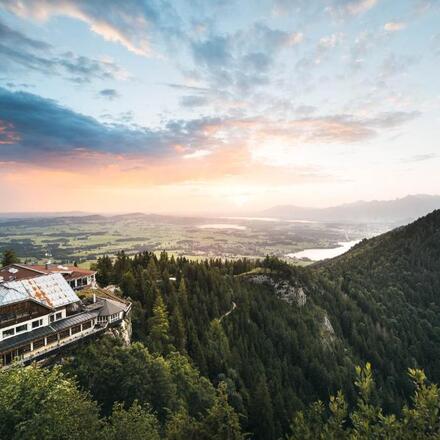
x,y
234,306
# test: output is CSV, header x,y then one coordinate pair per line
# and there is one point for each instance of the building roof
x,y
10,295
107,307
51,290
111,307
18,271
78,273
41,332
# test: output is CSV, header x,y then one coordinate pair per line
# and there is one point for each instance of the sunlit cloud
x,y
129,23
233,102
393,26
351,7
7,134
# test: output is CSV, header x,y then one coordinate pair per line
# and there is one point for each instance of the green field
x,y
85,238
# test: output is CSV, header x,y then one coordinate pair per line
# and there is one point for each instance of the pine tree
x,y
128,285
9,257
261,411
177,327
182,295
104,267
221,422
152,271
218,348
159,339
136,423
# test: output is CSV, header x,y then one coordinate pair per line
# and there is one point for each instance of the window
x,y
24,349
51,318
65,334
58,315
38,343
37,323
21,328
10,332
114,317
87,325
75,329
52,338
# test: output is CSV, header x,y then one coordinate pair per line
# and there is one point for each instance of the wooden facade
x,y
15,313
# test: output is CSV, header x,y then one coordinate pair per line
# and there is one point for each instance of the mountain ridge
x,y
398,211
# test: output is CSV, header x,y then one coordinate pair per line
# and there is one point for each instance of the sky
x,y
216,106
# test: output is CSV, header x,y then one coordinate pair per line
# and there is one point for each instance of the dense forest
x,y
224,349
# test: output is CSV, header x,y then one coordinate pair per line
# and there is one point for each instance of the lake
x,y
222,226
322,254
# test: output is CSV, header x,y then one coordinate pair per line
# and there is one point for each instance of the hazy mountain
x,y
398,211
15,215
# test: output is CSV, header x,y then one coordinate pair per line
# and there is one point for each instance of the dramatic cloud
x,y
41,130
7,134
45,129
129,22
19,51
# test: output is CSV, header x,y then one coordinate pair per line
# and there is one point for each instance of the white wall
x,y
45,319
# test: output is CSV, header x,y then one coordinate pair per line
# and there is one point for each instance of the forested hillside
x,y
384,296
271,338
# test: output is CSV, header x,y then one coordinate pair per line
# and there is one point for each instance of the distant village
x,y
41,312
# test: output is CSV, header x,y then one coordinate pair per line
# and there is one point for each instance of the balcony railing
x,y
61,343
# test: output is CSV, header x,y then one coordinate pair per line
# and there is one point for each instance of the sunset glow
x,y
223,106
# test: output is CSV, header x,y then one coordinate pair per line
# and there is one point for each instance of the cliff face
x,y
124,331
284,289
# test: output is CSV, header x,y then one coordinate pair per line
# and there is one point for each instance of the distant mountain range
x,y
398,211
43,214
394,212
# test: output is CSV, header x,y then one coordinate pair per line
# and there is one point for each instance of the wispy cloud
x,y
192,101
18,51
243,60
344,8
109,94
394,26
132,23
420,158
397,64
330,41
